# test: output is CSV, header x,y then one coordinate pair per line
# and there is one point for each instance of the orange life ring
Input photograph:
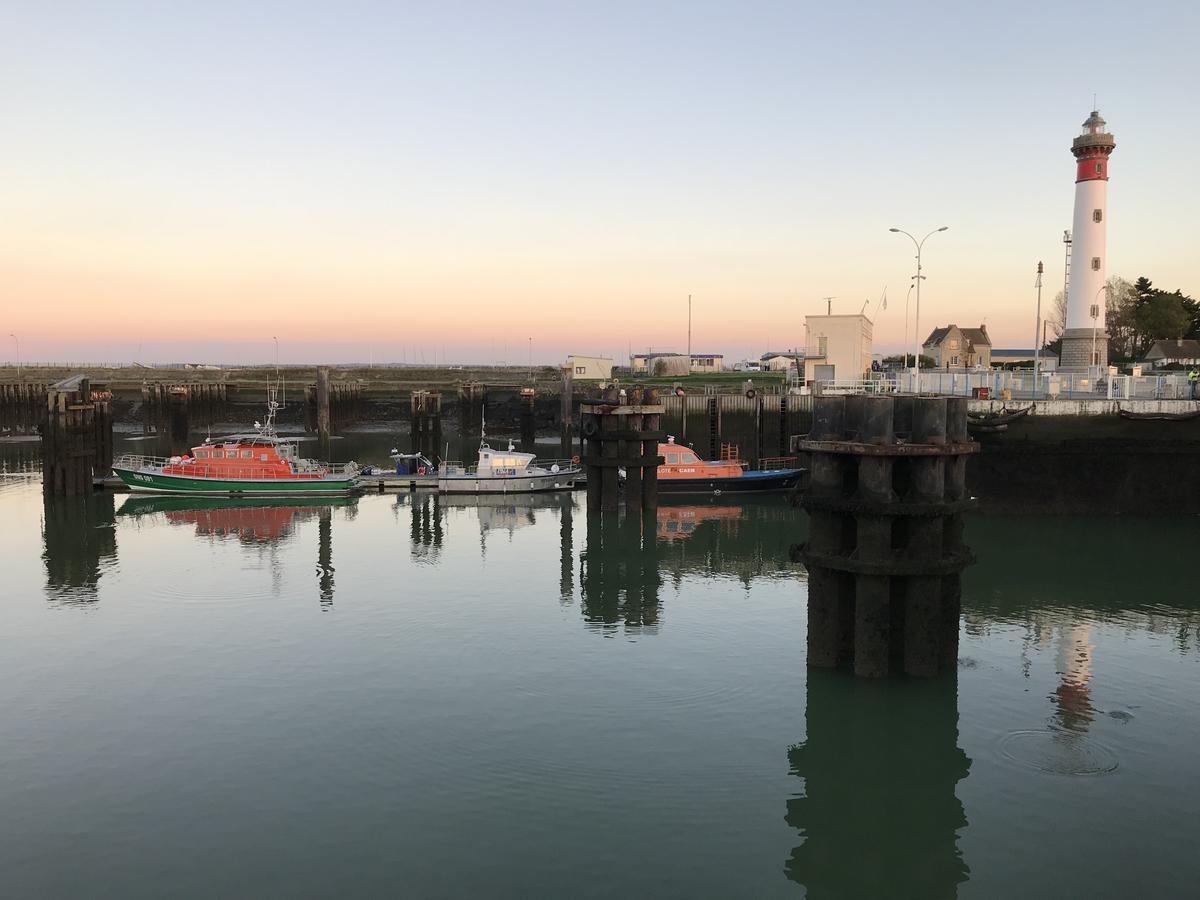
x,y
420,470
575,460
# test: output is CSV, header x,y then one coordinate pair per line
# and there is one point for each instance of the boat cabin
x,y
244,456
502,462
682,462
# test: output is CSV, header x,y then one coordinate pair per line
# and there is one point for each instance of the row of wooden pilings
x,y
174,409
886,497
22,407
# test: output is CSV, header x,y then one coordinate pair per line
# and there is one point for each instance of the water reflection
x,y
325,556
249,520
746,539
425,525
618,572
880,763
79,538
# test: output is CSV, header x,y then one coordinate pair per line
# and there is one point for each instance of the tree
x,y
1161,315
1120,314
1057,317
897,361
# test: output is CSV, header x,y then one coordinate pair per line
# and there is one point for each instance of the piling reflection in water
x,y
880,763
618,572
425,525
79,538
325,556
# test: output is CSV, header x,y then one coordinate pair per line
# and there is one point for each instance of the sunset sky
x,y
399,182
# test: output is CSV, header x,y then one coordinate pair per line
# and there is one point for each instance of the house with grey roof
x,y
959,348
1181,351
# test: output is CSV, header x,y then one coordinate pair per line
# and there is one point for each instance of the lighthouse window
x,y
1097,215
1099,168
1095,264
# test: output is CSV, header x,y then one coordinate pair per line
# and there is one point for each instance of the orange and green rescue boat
x,y
259,464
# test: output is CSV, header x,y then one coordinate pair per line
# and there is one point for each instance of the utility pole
x,y
689,366
1037,330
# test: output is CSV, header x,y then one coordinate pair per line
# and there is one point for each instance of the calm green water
x,y
404,696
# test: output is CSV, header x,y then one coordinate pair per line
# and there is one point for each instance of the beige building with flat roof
x,y
837,347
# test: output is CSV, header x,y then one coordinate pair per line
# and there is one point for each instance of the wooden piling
x,y
565,414
323,403
77,444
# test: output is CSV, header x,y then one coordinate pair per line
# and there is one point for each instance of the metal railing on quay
x,y
1021,385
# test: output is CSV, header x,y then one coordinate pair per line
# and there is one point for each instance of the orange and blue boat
x,y
684,472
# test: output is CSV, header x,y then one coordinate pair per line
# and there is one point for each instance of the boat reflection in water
x,y
250,520
744,539
878,812
676,522
257,522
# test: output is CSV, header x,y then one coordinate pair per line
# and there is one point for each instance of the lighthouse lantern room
x,y
1084,341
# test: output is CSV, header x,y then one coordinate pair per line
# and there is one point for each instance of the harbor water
x,y
421,696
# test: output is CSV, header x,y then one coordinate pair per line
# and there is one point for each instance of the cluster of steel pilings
x,y
885,555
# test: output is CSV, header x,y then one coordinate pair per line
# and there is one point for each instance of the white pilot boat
x,y
507,472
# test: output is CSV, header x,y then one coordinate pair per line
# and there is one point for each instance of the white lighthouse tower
x,y
1084,342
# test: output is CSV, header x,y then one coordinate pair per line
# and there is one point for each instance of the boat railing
x,y
258,472
777,462
456,468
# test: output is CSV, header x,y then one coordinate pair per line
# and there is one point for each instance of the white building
x,y
659,363
782,360
598,368
838,347
668,363
703,363
1084,342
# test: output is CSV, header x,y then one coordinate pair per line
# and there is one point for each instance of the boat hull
x,y
152,482
746,483
507,484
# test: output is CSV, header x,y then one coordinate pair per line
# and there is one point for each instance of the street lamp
x,y
17,341
917,316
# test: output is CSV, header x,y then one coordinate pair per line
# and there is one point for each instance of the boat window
x,y
672,459
689,457
262,457
201,454
218,454
247,454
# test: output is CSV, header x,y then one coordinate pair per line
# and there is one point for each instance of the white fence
x,y
1049,386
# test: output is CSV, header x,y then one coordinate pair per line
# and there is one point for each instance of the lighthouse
x,y
1084,342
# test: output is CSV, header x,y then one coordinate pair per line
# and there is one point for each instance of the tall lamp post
x,y
17,341
1037,330
917,315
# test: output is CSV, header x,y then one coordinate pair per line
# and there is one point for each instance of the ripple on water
x,y
1059,752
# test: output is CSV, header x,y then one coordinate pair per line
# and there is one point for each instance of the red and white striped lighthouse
x,y
1084,342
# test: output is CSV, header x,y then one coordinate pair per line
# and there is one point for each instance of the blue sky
x,y
385,179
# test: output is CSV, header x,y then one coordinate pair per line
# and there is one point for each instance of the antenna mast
x,y
689,362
